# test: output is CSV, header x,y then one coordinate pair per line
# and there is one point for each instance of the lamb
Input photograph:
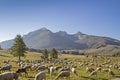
x,y
63,74
40,76
9,76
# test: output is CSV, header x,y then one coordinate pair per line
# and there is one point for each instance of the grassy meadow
x,y
76,60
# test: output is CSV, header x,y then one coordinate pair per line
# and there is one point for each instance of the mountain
x,y
44,38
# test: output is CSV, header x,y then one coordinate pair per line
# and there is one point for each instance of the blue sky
x,y
93,17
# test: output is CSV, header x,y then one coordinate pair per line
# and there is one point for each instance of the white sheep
x,y
6,67
99,69
40,76
89,69
106,70
93,73
9,76
110,72
52,70
63,74
74,70
119,69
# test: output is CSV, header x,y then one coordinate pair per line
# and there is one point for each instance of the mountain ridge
x,y
44,38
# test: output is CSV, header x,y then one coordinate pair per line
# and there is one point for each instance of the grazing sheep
x,y
106,70
28,67
20,64
40,76
89,69
119,69
52,70
35,66
64,69
93,73
115,66
6,61
9,76
99,69
6,67
21,70
74,70
110,66
110,72
63,74
57,68
43,67
92,64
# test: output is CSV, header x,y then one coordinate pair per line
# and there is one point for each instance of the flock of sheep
x,y
63,68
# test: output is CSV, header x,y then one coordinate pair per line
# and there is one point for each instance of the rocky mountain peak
x,y
44,38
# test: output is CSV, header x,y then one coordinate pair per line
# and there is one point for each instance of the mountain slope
x,y
44,38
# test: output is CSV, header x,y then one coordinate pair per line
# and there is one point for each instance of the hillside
x,y
44,38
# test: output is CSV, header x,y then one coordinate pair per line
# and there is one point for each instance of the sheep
x,y
93,73
40,76
21,70
51,69
110,66
110,72
6,61
43,67
89,69
9,76
58,67
6,67
99,69
27,66
63,74
64,69
20,64
106,70
92,64
74,70
119,69
115,66
35,66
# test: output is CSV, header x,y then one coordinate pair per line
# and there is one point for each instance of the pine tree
x,y
45,54
19,48
53,53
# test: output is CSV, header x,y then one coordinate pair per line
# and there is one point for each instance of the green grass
x,y
76,60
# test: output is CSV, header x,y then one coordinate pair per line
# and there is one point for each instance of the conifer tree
x,y
19,48
53,53
45,54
